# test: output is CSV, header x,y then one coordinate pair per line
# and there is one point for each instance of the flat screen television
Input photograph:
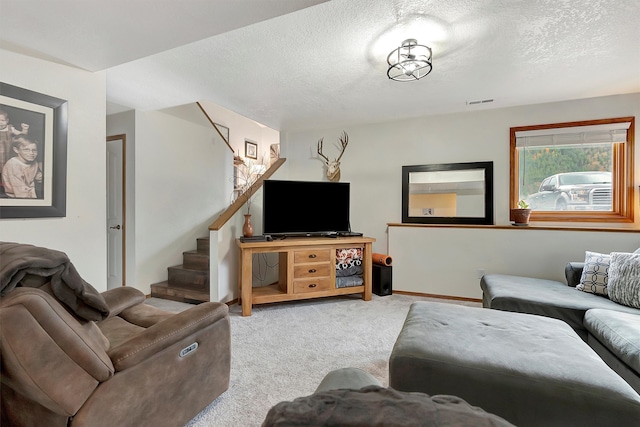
x,y
305,207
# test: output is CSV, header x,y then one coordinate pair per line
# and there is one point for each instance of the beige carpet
x,y
284,350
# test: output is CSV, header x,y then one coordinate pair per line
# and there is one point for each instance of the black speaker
x,y
381,280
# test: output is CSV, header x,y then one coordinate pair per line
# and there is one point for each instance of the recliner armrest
x,y
120,299
166,333
573,272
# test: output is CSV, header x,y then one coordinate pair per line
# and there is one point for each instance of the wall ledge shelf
x,y
512,227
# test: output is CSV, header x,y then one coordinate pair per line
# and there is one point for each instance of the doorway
x,y
116,209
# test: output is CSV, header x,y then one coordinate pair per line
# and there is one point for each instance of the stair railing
x,y
242,198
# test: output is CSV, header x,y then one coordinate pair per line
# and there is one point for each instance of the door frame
x,y
123,137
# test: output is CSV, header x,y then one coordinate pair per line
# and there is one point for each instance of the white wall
x,y
81,234
179,187
443,261
376,153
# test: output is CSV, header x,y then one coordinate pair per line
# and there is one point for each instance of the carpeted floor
x,y
284,350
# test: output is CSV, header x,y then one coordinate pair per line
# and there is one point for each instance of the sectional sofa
x,y
610,328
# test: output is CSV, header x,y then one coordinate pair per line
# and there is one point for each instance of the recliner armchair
x,y
138,366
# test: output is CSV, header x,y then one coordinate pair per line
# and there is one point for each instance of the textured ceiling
x,y
98,34
325,65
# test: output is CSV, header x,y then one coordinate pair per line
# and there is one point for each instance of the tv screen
x,y
305,207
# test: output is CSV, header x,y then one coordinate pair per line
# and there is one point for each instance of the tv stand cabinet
x,y
306,269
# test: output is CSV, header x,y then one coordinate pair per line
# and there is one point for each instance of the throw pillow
x,y
624,279
595,274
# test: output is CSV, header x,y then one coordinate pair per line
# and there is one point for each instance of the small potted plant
x,y
520,215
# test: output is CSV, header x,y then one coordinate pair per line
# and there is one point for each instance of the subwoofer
x,y
381,279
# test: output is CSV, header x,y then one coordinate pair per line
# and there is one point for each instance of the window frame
x,y
622,176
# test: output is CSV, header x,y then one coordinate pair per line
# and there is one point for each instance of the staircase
x,y
188,282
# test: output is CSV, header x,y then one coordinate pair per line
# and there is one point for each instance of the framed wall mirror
x,y
450,193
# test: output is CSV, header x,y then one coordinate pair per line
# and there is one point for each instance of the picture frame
x,y
274,153
250,149
46,120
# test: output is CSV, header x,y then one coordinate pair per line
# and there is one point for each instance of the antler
x,y
344,141
326,159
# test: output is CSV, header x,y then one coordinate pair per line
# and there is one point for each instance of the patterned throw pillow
x,y
595,274
624,279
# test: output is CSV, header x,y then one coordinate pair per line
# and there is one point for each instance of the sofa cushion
x,y
625,279
618,332
544,297
595,273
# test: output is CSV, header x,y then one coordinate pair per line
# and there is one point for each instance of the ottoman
x,y
531,370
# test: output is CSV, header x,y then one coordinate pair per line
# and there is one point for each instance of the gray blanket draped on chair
x,y
18,261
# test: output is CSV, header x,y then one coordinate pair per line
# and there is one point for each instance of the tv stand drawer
x,y
311,255
302,271
312,285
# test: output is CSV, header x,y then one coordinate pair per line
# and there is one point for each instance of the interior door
x,y
115,211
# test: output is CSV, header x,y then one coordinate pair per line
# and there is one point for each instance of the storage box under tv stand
x,y
307,269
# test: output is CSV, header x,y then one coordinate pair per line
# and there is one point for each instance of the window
x,y
577,171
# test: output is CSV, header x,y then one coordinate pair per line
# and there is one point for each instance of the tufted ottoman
x,y
530,370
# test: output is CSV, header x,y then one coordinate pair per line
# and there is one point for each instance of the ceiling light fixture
x,y
411,61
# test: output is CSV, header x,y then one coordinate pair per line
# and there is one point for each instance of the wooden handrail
x,y
242,199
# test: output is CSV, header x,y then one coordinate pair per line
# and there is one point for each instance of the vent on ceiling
x,y
480,101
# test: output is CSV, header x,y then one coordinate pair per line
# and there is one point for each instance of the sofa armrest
x,y
166,333
573,272
120,299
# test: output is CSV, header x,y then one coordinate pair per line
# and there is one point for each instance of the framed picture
x,y
250,149
274,153
33,132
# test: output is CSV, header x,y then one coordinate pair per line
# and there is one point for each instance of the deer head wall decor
x,y
333,166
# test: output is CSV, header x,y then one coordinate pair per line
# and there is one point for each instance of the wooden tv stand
x,y
307,269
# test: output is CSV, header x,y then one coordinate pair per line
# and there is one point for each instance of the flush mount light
x,y
411,61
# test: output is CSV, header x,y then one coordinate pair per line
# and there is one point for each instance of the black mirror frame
x,y
487,219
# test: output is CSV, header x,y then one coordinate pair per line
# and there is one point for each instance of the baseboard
x,y
420,294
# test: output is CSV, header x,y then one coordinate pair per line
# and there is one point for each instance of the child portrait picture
x,y
22,153
33,154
